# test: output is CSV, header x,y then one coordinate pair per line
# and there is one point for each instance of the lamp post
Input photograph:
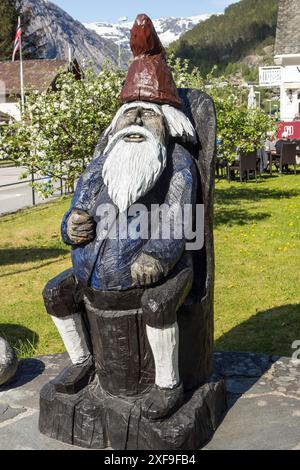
x,y
258,93
290,95
270,112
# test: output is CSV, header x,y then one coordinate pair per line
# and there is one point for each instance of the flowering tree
x,y
237,125
60,129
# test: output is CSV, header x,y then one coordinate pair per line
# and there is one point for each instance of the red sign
x,y
292,128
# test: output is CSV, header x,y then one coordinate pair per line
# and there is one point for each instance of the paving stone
x,y
24,435
259,423
284,377
263,396
235,364
31,375
7,413
239,385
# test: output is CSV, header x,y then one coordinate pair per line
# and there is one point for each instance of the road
x,y
17,197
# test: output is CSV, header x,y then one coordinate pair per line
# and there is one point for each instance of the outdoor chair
x,y
288,156
221,167
247,163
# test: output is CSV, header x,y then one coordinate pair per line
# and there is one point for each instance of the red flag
x,y
17,43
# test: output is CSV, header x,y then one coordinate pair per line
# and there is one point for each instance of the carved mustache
x,y
132,134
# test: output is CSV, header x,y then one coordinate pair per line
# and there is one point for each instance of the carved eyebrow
x,y
130,109
145,110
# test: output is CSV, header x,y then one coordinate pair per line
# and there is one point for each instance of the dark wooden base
x,y
92,419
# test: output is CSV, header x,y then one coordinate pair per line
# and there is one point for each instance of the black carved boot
x,y
75,377
163,402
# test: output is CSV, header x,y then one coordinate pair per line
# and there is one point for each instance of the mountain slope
x,y
59,31
245,29
169,29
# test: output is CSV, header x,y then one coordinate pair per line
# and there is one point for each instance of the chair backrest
x,y
288,154
248,161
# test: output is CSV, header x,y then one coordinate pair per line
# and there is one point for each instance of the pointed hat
x,y
149,76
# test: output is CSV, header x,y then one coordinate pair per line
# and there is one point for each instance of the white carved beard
x,y
131,169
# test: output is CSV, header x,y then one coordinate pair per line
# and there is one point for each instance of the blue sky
x,y
111,10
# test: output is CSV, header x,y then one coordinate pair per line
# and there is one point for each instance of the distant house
x,y
4,118
39,75
285,75
287,55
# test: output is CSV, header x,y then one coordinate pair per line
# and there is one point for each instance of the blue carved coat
x,y
105,264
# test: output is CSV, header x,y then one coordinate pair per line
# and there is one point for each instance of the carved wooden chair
x,y
108,411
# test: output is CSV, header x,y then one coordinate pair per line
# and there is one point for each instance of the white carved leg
x,y
164,343
73,334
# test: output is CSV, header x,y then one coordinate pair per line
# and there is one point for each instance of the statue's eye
x,y
149,113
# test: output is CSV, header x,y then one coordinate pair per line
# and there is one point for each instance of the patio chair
x,y
288,156
247,162
221,167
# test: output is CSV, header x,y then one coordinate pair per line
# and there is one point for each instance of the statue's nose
x,y
138,119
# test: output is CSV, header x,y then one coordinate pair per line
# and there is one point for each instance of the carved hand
x,y
146,271
80,227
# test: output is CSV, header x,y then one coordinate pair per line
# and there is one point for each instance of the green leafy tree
x,y
8,21
60,130
226,39
237,125
33,44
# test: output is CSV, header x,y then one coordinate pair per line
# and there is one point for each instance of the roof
x,y
38,74
288,31
4,117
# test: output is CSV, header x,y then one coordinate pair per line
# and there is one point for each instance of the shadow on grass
x,y
245,193
25,342
11,256
230,202
236,216
271,332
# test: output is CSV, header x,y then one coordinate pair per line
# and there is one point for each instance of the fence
x,y
61,188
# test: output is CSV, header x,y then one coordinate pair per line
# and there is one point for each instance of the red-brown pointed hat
x,y
149,77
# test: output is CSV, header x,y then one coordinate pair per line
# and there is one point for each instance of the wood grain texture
x,y
149,76
95,420
109,411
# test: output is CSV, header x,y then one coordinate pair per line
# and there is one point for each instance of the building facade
x,y
287,56
39,75
286,73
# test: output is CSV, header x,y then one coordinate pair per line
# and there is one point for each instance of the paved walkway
x,y
263,396
16,197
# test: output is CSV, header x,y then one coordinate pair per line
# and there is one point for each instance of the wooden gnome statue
x,y
136,310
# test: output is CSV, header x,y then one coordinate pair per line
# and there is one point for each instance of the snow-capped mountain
x,y
169,29
94,41
60,32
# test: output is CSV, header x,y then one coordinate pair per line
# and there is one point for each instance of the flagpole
x,y
22,76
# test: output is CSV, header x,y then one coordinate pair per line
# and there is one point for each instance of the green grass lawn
x,y
257,300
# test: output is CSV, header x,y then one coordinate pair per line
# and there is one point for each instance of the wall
x,y
290,90
12,109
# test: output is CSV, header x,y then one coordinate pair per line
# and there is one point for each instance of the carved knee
x,y
161,303
62,296
159,311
